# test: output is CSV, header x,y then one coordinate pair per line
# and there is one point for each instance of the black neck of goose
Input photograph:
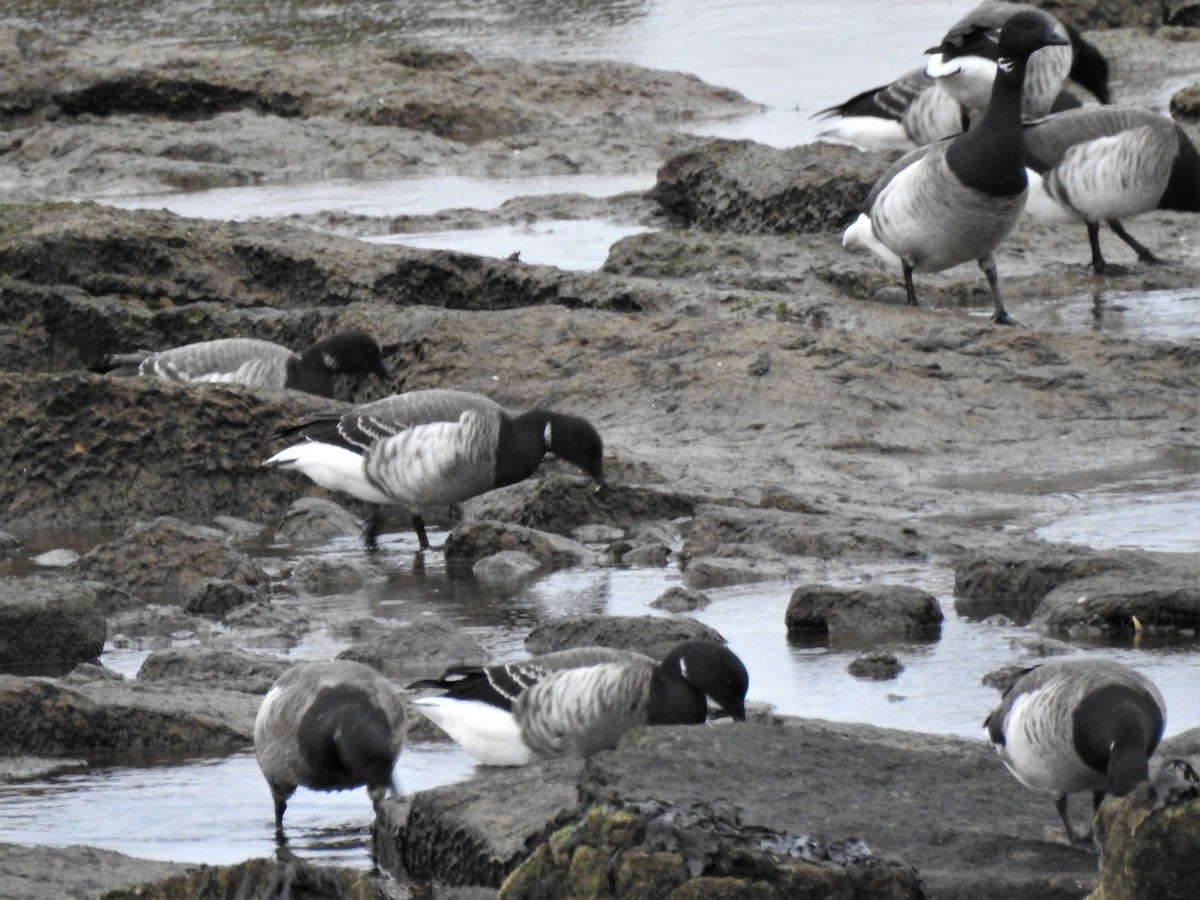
x,y
1183,187
520,446
309,374
990,156
673,700
1115,731
343,737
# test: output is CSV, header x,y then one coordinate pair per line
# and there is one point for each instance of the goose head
x,y
1025,33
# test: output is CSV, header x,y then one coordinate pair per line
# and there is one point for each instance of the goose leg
x,y
1144,253
1082,841
1099,266
999,314
372,531
419,526
909,290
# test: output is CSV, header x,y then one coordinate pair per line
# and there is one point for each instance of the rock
x,y
878,665
316,520
476,540
749,188
653,635
871,609
564,503
1185,104
84,438
717,571
320,576
507,566
148,623
164,559
1186,743
41,718
982,845
422,648
473,833
54,873
698,851
10,545
680,599
238,670
1109,603
49,621
597,534
645,555
287,877
1015,585
1149,843
216,597
1004,677
238,529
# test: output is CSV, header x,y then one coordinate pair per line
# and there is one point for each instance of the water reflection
x,y
1172,315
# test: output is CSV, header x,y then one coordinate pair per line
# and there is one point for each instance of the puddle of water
x,y
1172,315
415,196
214,811
1167,519
574,244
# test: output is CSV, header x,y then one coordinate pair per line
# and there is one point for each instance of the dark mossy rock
x,y
422,648
680,599
1150,843
288,876
871,609
751,188
471,543
166,558
238,670
878,666
216,597
1120,604
699,851
1015,585
1185,104
45,621
652,635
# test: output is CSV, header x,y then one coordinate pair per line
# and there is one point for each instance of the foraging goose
x,y
947,203
577,702
1078,724
964,63
328,726
1109,164
433,448
260,363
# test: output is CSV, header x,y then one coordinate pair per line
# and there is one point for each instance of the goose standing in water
x,y
579,701
1107,164
328,726
259,363
948,203
1078,724
433,448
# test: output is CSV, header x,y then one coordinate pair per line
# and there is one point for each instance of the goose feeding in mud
x,y
433,448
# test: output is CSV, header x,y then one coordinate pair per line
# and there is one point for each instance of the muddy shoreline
x,y
747,373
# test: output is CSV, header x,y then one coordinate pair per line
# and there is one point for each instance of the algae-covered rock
x,y
286,877
699,851
1151,839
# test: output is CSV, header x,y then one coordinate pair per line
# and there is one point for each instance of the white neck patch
x,y
546,436
683,668
1005,64
328,359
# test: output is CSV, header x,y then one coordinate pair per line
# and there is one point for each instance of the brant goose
x,y
947,203
1078,724
916,109
432,448
328,726
260,363
1107,164
579,701
964,63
